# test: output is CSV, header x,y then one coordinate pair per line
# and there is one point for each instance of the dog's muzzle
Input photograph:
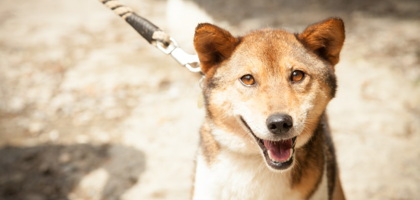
x,y
277,154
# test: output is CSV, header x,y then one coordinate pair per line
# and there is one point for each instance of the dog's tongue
x,y
279,151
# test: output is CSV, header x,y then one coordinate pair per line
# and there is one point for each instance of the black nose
x,y
279,123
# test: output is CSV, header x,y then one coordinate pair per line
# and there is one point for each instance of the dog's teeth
x,y
269,155
291,153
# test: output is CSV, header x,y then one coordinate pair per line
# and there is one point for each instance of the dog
x,y
266,133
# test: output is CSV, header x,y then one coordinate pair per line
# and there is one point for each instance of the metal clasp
x,y
191,62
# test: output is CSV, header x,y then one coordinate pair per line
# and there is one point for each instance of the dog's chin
x,y
277,154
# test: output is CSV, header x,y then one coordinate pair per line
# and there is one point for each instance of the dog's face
x,y
266,91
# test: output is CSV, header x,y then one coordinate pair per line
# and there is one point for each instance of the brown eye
x,y
248,80
297,76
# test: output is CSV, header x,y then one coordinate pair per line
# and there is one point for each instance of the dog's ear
x,y
325,39
213,45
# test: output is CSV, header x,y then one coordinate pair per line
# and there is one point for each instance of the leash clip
x,y
189,61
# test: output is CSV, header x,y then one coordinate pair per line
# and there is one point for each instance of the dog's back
x,y
266,135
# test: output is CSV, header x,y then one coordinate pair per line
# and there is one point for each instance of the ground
x,y
89,110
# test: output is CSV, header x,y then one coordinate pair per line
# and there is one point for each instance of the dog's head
x,y
266,91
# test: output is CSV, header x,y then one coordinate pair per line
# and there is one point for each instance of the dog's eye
x,y
297,76
247,80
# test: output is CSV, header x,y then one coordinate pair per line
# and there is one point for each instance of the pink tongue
x,y
279,151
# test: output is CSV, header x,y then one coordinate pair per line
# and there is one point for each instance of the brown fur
x,y
209,146
307,174
338,193
215,44
270,56
334,186
325,39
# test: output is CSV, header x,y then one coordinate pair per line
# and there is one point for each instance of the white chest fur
x,y
233,176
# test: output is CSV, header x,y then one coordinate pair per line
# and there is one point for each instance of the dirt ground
x,y
89,110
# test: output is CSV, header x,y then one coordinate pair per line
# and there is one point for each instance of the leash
x,y
154,35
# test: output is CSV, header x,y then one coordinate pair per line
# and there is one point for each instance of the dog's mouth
x,y
278,154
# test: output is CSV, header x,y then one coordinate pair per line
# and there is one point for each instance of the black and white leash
x,y
154,35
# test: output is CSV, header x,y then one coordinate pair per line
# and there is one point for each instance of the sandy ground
x,y
88,110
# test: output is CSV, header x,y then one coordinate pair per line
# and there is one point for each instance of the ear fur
x,y
325,38
213,45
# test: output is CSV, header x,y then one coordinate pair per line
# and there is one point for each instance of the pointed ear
x,y
325,39
213,45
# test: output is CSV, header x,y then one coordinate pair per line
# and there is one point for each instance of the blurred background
x,y
89,110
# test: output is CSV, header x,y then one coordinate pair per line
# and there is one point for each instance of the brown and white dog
x,y
266,134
